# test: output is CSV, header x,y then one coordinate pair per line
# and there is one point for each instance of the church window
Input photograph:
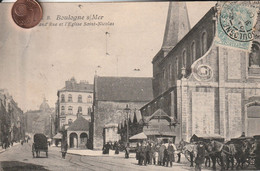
x,y
193,51
170,72
177,67
204,43
254,56
89,99
79,98
70,109
70,98
62,98
184,58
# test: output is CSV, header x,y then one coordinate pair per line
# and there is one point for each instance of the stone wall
x,y
106,112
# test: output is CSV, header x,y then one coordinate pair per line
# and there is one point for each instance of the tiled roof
x,y
134,89
80,124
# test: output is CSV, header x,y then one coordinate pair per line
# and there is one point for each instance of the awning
x,y
139,136
58,136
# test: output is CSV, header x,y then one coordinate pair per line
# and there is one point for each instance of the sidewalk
x,y
3,150
87,152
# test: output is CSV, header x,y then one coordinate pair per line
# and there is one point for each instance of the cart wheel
x,y
46,154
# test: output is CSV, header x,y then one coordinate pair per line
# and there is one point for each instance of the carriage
x,y
206,138
40,144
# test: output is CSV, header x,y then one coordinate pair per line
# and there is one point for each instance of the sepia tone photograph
x,y
169,85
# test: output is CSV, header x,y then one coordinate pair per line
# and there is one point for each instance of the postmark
x,y
27,13
235,24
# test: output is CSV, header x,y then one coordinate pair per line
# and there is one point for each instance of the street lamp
x,y
127,110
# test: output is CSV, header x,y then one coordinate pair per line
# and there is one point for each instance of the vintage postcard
x,y
129,85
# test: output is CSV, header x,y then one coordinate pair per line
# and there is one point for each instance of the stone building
x,y
74,100
12,119
111,95
205,87
78,133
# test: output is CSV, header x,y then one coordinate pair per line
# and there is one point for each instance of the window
x,y
254,57
79,98
80,110
177,67
70,98
62,110
184,57
62,98
70,110
193,52
89,99
204,43
170,72
70,121
89,110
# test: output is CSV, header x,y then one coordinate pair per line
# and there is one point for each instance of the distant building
x,y
12,120
41,121
74,100
111,95
206,88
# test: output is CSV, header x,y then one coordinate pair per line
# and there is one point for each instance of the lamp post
x,y
127,110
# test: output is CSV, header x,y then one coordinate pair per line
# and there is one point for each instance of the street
x,y
19,157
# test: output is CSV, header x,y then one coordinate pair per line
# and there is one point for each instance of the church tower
x,y
177,25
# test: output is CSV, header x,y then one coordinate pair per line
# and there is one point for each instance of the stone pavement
x,y
3,150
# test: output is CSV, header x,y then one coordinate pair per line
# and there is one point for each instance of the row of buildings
x,y
198,87
12,120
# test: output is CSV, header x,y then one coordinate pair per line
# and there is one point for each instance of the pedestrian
x,y
64,148
137,152
127,150
153,151
116,147
257,155
180,148
161,154
171,151
143,154
148,153
199,160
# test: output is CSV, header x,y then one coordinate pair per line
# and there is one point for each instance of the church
x,y
205,87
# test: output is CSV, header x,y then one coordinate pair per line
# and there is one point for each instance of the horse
x,y
214,150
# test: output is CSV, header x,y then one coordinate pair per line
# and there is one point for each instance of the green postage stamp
x,y
236,24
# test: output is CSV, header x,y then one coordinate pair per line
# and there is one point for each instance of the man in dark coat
x,y
199,160
153,156
64,148
170,154
161,154
148,153
116,147
138,151
143,154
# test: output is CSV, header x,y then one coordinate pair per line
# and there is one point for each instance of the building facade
x,y
111,95
74,100
206,88
12,119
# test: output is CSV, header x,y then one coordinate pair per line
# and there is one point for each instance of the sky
x,y
35,63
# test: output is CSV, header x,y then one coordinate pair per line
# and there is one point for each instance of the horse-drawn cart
x,y
40,144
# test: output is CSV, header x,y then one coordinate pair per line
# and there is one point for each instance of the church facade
x,y
207,88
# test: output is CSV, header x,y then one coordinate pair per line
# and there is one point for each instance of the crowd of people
x,y
157,154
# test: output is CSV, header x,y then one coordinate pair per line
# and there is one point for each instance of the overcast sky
x,y
36,62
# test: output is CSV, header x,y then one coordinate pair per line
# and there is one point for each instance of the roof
x,y
58,136
139,136
134,89
80,124
73,86
159,114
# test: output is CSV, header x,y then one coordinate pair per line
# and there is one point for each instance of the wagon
x,y
200,137
40,144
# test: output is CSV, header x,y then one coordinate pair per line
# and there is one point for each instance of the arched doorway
x,y
73,140
83,139
253,119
